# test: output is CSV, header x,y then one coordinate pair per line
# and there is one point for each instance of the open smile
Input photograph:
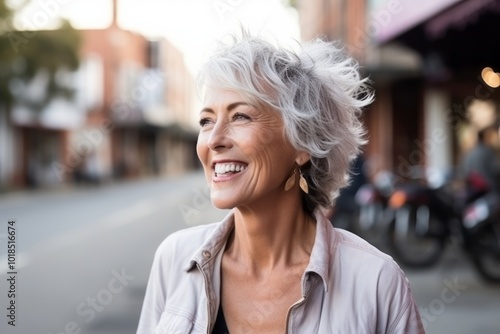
x,y
228,170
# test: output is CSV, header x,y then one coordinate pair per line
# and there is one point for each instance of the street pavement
x,y
453,298
84,256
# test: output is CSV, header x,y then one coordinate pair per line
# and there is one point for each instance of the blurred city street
x,y
85,255
99,120
453,298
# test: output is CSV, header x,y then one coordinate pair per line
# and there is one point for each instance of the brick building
x,y
131,116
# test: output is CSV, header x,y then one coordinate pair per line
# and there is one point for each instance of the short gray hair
x,y
318,91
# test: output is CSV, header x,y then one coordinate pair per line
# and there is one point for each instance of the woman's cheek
x,y
202,147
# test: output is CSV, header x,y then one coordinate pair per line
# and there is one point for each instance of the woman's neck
x,y
271,235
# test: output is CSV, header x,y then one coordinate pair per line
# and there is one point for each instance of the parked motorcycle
x,y
426,217
481,226
363,210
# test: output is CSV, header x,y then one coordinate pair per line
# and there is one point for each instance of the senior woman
x,y
278,130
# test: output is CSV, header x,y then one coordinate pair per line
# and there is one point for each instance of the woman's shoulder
x,y
362,268
193,232
348,253
374,282
362,257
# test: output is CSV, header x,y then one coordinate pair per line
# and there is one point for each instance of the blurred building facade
x,y
353,24
424,59
333,20
130,116
453,39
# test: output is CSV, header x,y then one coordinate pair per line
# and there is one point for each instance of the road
x,y
84,255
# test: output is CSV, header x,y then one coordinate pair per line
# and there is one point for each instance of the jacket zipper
x,y
209,322
295,305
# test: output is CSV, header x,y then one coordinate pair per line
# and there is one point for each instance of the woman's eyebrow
x,y
235,105
207,110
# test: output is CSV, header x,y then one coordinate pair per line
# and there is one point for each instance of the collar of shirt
x,y
319,262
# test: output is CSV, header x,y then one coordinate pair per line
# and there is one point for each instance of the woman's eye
x,y
204,121
239,116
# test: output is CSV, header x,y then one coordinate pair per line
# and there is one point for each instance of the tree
x,y
23,54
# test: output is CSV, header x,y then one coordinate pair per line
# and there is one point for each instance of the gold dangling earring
x,y
291,181
303,183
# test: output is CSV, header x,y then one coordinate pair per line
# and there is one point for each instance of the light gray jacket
x,y
348,287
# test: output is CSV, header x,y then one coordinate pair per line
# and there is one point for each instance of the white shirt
x,y
348,286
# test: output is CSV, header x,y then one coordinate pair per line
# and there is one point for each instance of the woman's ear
x,y
302,158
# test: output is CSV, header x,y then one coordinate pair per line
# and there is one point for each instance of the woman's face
x,y
243,150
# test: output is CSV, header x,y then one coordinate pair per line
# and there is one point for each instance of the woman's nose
x,y
220,136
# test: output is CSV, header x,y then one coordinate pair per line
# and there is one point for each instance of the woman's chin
x,y
222,202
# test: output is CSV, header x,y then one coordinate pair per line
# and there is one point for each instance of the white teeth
x,y
226,168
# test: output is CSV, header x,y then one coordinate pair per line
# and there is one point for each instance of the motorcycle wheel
x,y
486,255
369,217
415,237
370,224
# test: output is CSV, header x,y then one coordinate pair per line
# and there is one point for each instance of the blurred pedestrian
x,y
278,131
481,166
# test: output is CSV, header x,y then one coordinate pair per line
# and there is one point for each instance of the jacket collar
x,y
214,243
320,261
322,254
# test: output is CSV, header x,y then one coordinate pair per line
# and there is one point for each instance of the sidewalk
x,y
453,298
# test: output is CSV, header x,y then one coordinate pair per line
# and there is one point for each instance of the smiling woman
x,y
236,133
278,130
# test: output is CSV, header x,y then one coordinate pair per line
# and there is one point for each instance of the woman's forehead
x,y
219,96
